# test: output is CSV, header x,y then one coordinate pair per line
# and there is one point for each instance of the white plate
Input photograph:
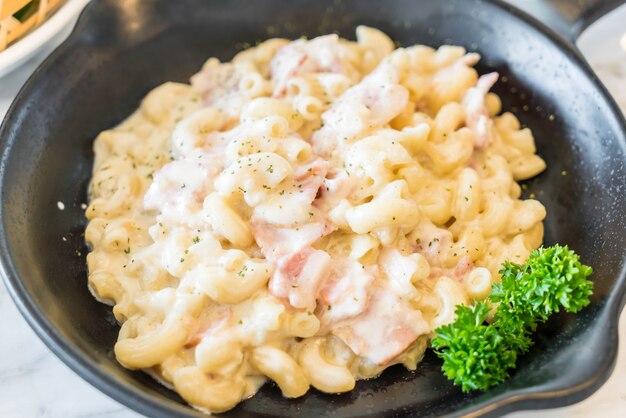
x,y
26,47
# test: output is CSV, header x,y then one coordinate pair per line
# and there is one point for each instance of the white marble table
x,y
34,383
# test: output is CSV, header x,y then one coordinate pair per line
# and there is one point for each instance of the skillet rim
x,y
143,403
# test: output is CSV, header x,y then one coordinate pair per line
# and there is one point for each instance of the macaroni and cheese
x,y
309,213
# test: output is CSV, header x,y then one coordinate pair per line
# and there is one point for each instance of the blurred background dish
x,y
27,26
17,17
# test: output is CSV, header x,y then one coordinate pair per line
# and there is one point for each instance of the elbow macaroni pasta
x,y
309,213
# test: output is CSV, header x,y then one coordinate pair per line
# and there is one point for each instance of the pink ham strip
x,y
334,189
321,54
276,242
287,62
311,177
476,113
345,293
299,276
377,99
214,81
387,327
209,326
219,87
463,267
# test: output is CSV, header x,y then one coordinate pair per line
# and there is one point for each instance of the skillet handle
x,y
569,18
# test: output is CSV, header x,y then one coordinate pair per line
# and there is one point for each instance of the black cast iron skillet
x,y
121,49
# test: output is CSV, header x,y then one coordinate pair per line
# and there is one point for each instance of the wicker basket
x,y
19,16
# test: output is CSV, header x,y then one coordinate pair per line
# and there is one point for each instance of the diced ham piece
x,y
276,242
464,266
310,177
299,276
209,325
287,62
476,114
336,187
345,293
214,76
371,104
322,54
386,328
218,84
292,206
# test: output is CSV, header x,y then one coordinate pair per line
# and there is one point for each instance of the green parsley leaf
x,y
476,354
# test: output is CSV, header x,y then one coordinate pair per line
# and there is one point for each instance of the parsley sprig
x,y
477,355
